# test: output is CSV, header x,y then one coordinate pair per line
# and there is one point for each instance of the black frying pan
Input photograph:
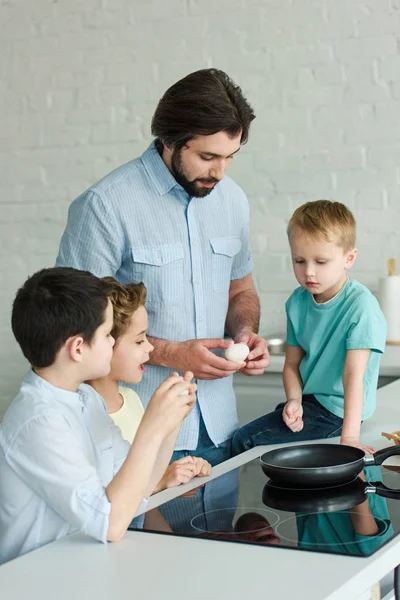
x,y
318,465
328,499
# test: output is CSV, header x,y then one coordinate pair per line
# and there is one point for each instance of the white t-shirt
x,y
130,414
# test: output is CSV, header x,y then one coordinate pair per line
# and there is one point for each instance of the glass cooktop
x,y
243,506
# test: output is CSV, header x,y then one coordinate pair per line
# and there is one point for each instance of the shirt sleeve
x,y
120,446
368,327
48,456
93,239
243,262
291,339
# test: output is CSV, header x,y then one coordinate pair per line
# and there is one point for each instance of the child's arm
x,y
353,384
135,479
153,519
161,465
165,451
293,410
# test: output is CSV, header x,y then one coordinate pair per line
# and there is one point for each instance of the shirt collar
x,y
334,300
35,380
158,171
160,175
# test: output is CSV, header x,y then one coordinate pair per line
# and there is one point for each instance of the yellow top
x,y
130,414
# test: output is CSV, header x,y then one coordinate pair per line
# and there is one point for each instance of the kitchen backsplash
x,y
81,81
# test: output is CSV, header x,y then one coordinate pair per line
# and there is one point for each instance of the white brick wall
x,y
80,81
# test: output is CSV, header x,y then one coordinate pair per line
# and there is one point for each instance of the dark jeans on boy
x,y
206,449
319,423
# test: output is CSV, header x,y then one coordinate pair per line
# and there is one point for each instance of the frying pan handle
x,y
381,490
379,457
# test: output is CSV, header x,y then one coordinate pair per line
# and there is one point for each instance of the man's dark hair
x,y
202,103
54,305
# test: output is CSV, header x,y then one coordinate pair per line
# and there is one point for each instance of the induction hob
x,y
243,506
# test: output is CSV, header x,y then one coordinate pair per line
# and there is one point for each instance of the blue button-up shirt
x,y
138,224
58,452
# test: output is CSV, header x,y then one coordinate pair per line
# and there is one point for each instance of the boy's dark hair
x,y
202,103
54,305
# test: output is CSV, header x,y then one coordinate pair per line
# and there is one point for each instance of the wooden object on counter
x,y
395,436
392,267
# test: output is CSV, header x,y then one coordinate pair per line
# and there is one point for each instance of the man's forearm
x,y
163,353
243,313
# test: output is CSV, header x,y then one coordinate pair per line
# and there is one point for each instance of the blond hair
x,y
125,300
324,219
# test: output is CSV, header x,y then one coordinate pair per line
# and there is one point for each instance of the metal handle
x,y
379,457
380,489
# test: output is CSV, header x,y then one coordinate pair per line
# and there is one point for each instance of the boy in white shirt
x,y
130,353
64,466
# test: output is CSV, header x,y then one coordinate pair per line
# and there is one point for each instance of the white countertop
x,y
389,363
147,565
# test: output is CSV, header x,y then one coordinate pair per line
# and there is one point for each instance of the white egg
x,y
237,352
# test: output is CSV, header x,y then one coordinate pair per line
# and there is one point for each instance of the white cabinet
x,y
257,396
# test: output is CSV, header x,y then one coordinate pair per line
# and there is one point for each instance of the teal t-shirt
x,y
351,320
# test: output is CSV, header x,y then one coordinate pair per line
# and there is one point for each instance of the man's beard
x,y
189,186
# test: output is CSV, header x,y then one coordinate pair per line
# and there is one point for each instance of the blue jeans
x,y
319,423
206,449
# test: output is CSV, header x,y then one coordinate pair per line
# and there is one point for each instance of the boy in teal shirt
x,y
336,333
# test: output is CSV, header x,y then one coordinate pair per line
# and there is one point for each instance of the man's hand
x,y
259,358
196,355
349,441
292,415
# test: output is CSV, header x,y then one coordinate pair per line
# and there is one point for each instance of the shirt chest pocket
x,y
160,268
223,252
